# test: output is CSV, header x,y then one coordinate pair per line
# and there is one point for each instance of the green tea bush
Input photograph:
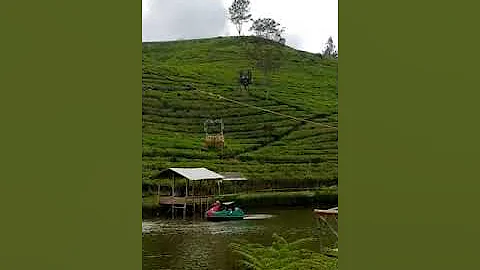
x,y
287,154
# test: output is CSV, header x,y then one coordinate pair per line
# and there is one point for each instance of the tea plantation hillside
x,y
180,81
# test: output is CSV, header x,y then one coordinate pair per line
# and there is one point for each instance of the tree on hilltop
x,y
268,28
330,51
239,13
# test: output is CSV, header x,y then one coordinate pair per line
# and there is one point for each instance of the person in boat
x,y
216,207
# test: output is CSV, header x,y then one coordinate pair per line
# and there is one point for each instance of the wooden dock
x,y
329,217
324,213
197,203
190,200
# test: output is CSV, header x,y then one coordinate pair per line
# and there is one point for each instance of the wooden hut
x,y
192,177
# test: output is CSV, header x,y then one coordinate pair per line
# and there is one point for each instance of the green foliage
x,y
287,198
281,255
239,13
330,51
266,56
267,28
264,147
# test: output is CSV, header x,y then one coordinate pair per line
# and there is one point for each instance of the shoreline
x,y
258,200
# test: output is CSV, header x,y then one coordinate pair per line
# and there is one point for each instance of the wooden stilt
x,y
186,198
200,193
193,199
173,197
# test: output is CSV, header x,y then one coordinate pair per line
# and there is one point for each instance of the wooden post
x,y
193,198
201,212
173,197
186,198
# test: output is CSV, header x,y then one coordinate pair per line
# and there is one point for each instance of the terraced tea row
x,y
269,149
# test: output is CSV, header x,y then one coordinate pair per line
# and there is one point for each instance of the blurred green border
x,y
408,139
70,109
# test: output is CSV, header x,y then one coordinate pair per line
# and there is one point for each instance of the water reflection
x,y
177,244
168,227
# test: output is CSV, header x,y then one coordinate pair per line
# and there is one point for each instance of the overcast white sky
x,y
308,23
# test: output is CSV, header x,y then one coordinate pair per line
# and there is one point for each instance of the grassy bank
x,y
321,198
270,150
294,198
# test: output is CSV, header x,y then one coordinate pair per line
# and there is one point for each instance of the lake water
x,y
199,244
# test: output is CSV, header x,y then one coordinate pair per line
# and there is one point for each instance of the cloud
x,y
182,19
293,41
308,23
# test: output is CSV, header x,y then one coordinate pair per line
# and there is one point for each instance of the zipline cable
x,y
266,110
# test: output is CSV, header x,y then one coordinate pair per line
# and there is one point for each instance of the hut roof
x,y
195,173
233,176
